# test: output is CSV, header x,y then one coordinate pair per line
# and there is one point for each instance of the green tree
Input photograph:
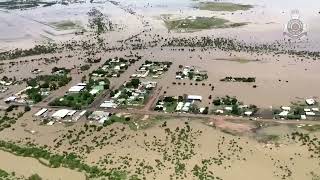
x,y
35,177
135,83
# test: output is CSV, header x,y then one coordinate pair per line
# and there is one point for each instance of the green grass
x,y
170,106
76,100
65,25
200,23
217,6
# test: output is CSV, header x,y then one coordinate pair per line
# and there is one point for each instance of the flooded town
x,y
159,89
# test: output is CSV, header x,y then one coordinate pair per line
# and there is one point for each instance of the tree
x,y
206,110
235,110
217,102
53,86
168,99
45,85
98,21
135,83
10,108
27,108
35,177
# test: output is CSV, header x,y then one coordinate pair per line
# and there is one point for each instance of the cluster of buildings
x,y
310,110
111,68
80,87
129,96
227,109
189,72
155,69
59,115
99,116
181,105
22,97
4,85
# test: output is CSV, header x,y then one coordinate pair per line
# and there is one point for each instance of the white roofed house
x,y
60,114
82,84
10,99
41,112
310,113
284,113
286,108
71,112
179,106
310,101
108,104
149,84
248,113
117,68
178,77
100,116
77,88
186,107
194,98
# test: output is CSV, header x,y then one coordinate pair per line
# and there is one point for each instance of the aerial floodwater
x,y
160,89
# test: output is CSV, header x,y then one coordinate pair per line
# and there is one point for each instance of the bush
x,y
206,110
236,110
10,108
168,99
85,67
217,102
35,177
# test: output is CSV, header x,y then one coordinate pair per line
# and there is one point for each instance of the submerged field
x,y
169,148
66,25
223,6
199,23
219,68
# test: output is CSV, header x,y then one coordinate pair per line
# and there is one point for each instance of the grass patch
x,y
76,101
66,25
200,23
225,6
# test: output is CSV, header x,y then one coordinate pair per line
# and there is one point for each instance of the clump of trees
x,y
99,22
38,49
68,160
133,83
238,79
